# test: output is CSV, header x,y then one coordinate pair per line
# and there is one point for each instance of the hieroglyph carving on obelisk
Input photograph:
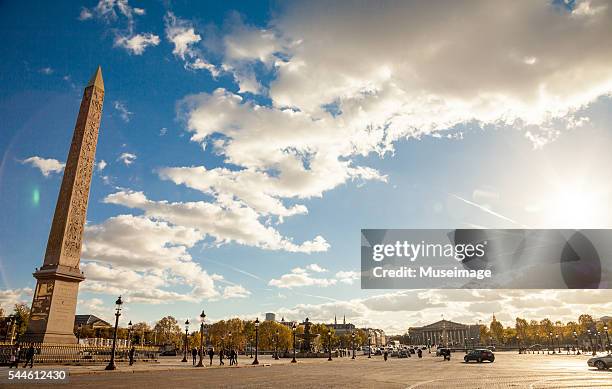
x,y
57,286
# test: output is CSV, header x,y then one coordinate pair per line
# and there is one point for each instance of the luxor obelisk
x,y
57,286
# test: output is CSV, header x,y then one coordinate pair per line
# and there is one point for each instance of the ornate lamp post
x,y
256,362
111,364
276,345
591,342
130,333
231,343
609,346
353,341
550,334
600,340
329,344
577,352
518,341
202,317
472,339
293,329
558,343
186,340
369,346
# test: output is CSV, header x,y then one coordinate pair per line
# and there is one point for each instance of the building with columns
x,y
445,332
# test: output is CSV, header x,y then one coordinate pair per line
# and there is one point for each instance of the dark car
x,y
601,362
479,355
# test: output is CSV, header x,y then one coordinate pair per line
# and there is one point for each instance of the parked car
x,y
440,351
479,355
601,362
403,354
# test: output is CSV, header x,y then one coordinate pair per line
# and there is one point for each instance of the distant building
x,y
270,316
341,329
445,332
287,323
90,321
377,336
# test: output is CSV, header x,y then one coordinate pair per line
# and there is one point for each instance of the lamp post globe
x,y
111,364
256,362
202,318
329,344
293,329
186,341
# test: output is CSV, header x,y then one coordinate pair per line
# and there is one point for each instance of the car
x,y
403,354
601,362
479,355
492,348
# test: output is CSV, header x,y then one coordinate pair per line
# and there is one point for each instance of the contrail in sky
x,y
487,210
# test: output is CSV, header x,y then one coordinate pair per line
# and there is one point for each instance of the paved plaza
x,y
510,370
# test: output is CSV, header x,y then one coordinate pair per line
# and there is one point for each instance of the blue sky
x,y
245,144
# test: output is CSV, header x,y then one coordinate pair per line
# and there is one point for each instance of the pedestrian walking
x,y
221,357
420,353
131,355
211,354
194,354
236,357
385,355
30,356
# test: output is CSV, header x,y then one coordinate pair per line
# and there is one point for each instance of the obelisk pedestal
x,y
57,286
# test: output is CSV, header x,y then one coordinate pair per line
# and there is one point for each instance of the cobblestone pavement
x,y
509,370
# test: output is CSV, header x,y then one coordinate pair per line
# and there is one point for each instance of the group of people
x,y
16,356
232,354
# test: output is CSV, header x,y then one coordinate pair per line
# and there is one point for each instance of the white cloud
x,y
299,277
47,71
142,259
85,14
101,165
46,166
163,131
316,268
112,11
127,158
235,291
124,113
225,222
10,297
182,35
136,44
347,277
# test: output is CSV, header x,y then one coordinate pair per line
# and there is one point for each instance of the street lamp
x,y
256,362
186,340
558,343
231,343
329,344
353,337
550,334
276,346
293,329
202,317
111,364
577,352
130,333
369,346
591,341
609,346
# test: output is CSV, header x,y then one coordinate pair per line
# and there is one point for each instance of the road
x,y
510,370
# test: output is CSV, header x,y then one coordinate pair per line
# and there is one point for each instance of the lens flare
x,y
35,197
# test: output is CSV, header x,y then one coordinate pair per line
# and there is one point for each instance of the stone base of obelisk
x,y
54,305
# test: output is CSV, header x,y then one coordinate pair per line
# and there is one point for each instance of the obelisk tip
x,y
96,79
